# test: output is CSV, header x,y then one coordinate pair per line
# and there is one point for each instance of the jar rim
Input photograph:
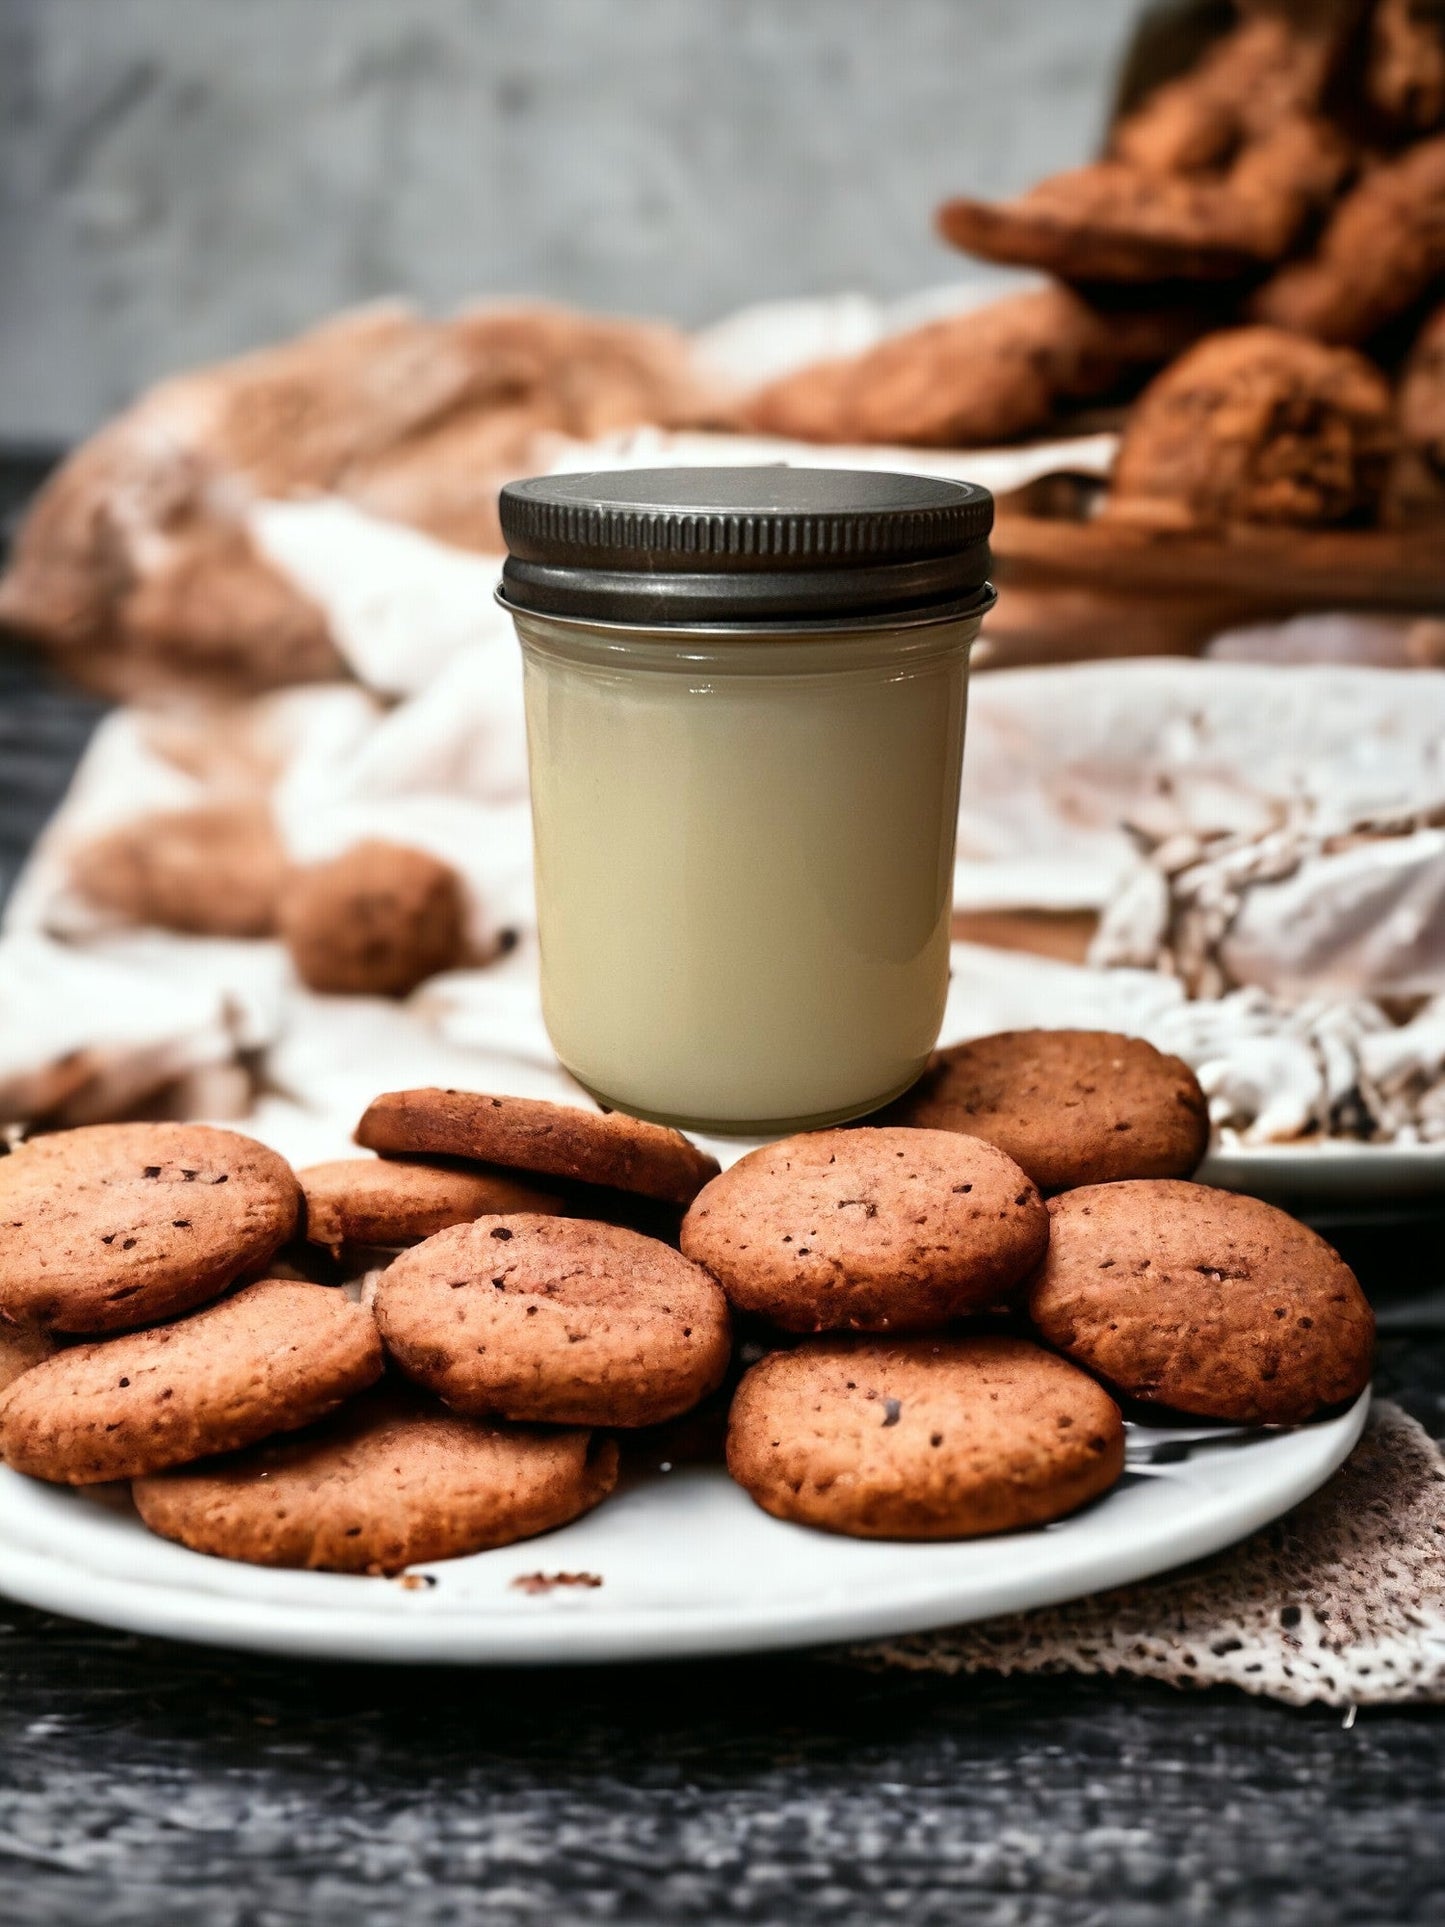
x,y
933,615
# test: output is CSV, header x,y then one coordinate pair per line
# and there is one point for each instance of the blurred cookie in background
x,y
1111,221
375,921
1416,488
987,375
1256,425
213,871
1404,79
1381,251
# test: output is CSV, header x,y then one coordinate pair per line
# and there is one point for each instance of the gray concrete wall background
x,y
183,178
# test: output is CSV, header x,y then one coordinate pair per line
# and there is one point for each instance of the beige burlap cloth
x,y
1342,1601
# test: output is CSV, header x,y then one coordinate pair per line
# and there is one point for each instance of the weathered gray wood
x,y
143,1783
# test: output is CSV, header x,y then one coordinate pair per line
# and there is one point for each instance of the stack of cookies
x,y
939,1351
1267,227
162,1322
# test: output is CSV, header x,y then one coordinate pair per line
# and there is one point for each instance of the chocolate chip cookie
x,y
375,921
1256,425
21,1348
1113,221
923,1438
871,1229
390,1482
274,1357
530,1134
1071,1106
118,1225
385,1201
555,1319
1202,1301
1381,251
215,871
987,375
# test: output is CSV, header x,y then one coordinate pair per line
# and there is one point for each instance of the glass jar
x,y
745,779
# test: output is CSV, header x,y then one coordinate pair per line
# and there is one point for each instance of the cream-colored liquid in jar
x,y
744,880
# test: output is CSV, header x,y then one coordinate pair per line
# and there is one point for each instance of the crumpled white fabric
x,y
93,1033
1368,917
1275,1071
1061,759
399,604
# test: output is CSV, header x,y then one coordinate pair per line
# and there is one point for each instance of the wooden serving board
x,y
1073,588
1064,935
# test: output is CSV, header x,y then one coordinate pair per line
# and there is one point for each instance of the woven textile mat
x,y
1341,1602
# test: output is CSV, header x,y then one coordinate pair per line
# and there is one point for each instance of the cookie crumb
x,y
539,1582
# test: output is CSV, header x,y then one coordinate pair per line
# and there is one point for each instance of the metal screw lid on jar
x,y
746,548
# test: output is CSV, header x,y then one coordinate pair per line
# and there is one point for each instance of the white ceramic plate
x,y
1332,1173
688,1566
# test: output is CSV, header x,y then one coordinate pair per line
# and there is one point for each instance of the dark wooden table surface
x,y
145,1783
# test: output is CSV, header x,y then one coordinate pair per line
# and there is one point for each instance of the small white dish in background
x,y
1328,1172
